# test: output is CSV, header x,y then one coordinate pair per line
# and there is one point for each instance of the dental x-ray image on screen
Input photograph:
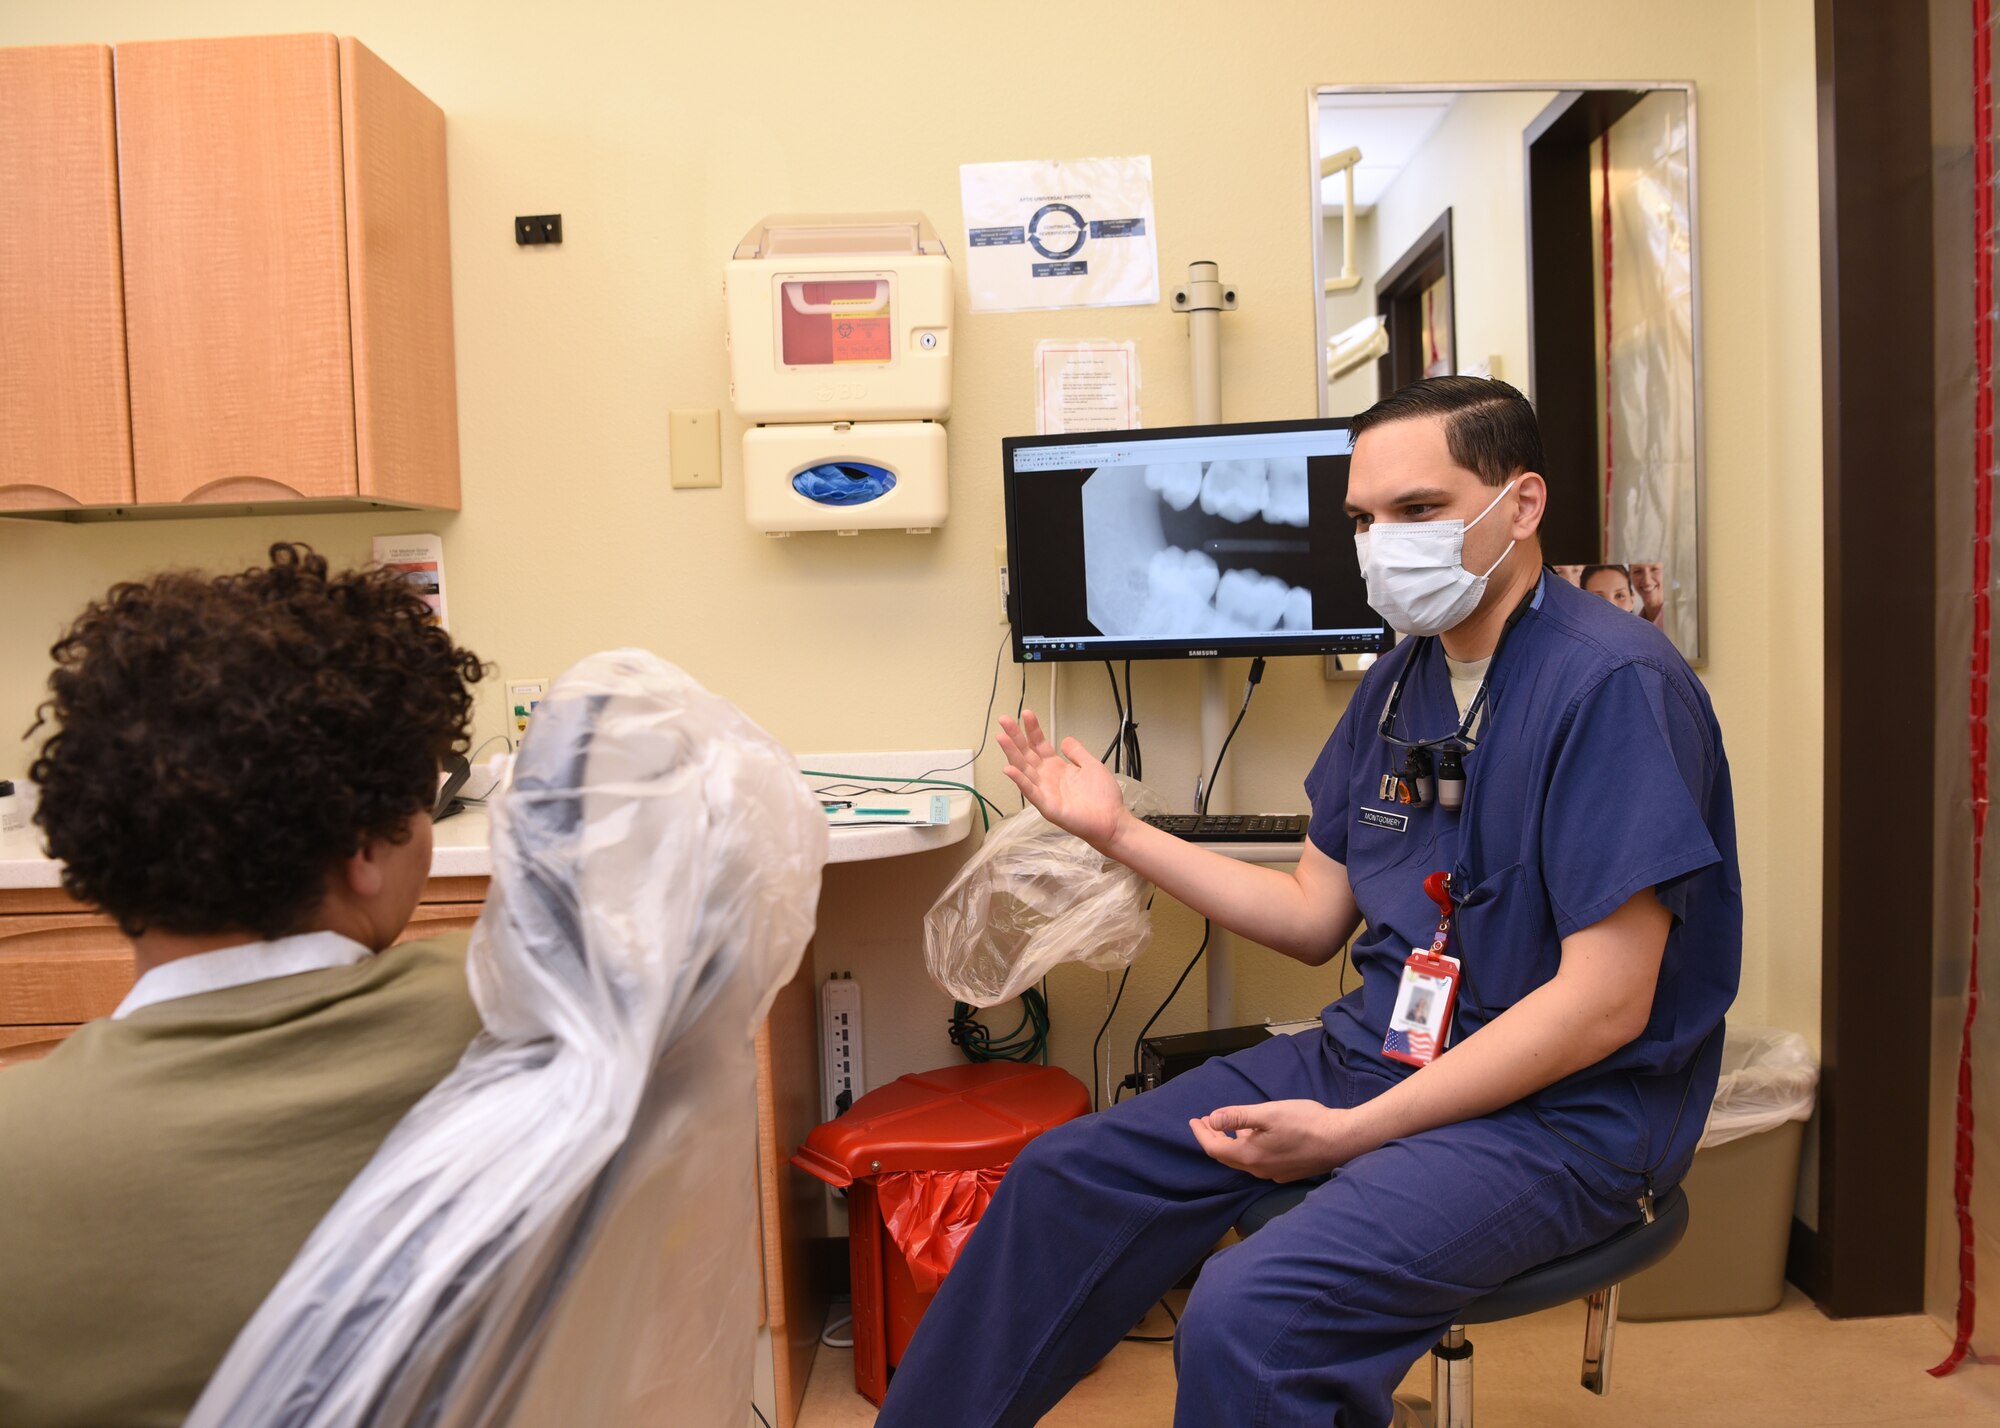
x,y
1187,541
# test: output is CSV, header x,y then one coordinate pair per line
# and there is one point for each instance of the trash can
x,y
920,1159
1741,1187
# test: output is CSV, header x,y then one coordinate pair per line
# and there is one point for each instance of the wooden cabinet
x,y
791,1206
65,433
62,964
279,282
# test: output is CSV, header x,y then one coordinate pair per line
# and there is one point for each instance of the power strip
x,y
841,1080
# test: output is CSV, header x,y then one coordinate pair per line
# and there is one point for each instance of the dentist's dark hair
x,y
1489,427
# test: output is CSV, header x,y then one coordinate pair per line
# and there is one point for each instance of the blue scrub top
x,y
1599,772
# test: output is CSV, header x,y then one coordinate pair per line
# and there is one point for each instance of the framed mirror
x,y
1543,235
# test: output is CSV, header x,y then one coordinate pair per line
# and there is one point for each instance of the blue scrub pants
x,y
1312,1322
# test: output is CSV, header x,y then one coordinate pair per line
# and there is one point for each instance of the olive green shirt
x,y
159,1173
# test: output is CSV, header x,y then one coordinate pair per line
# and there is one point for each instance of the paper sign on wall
x,y
419,559
1060,233
1086,386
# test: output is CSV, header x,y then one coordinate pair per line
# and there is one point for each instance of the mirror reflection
x,y
1544,237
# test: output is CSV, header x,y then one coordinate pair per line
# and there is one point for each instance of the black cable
x,y
1256,677
1206,928
1132,763
1020,703
1156,1338
986,724
760,1415
1104,1026
1114,756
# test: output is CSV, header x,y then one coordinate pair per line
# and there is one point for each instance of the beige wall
x,y
1357,390
1471,164
662,132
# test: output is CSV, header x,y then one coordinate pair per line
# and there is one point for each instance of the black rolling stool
x,y
1592,1275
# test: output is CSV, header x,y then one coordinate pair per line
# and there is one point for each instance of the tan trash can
x,y
1741,1188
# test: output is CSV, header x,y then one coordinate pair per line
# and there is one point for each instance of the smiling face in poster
x,y
1068,233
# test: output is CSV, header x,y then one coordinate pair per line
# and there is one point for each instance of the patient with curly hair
x,y
239,769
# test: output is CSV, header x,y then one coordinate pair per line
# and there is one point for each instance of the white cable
x,y
827,1334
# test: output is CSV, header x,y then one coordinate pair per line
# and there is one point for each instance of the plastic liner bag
x,y
563,1230
930,1214
1768,1078
1032,897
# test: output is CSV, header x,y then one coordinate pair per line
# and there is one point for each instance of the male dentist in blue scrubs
x,y
1527,1058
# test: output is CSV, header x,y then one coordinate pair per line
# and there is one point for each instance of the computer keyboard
x,y
1232,827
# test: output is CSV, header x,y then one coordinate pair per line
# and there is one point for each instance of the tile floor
x,y
1791,1368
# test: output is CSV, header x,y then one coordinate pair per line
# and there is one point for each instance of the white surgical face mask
x,y
1416,575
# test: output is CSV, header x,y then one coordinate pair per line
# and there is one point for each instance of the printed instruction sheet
x,y
1086,386
1060,233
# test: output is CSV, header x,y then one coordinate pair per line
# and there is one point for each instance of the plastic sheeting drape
x,y
563,1230
1650,391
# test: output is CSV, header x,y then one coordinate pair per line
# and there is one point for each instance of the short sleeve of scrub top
x,y
1622,811
1327,787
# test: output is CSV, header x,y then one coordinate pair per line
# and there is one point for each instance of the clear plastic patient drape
x,y
563,1230
1650,507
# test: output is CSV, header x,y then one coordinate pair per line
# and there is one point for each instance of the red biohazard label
x,y
860,332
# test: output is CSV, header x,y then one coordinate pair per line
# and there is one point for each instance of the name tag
x,y
1382,818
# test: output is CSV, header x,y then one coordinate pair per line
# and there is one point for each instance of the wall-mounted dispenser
x,y
840,350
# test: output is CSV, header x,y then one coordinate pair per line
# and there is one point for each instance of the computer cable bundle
x,y
1121,755
1028,1041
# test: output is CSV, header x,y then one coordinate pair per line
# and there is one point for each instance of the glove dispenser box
x,y
840,350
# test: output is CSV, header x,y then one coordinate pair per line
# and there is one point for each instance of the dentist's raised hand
x,y
1069,788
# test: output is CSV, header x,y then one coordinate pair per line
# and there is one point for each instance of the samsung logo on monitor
x,y
1191,654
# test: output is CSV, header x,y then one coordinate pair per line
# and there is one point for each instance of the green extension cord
x,y
973,1038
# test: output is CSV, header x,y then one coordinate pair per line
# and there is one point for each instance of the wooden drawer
x,y
58,969
472,889
433,918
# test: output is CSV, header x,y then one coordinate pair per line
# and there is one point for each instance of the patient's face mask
x,y
1416,573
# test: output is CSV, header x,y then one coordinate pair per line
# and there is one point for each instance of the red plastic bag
x,y
930,1213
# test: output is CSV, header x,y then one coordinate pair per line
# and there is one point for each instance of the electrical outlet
x,y
538,228
522,697
841,1082
1000,577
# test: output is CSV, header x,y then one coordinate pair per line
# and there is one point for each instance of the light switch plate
x,y
694,441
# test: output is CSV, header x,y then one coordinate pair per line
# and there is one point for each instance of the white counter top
x,y
461,841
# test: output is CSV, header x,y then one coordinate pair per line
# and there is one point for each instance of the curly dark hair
x,y
221,743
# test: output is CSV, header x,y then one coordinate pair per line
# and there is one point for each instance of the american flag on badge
x,y
1420,1044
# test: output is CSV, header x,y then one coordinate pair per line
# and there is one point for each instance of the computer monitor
x,y
1185,541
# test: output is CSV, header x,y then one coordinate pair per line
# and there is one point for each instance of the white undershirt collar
x,y
239,966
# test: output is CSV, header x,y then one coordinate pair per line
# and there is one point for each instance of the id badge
x,y
1422,1016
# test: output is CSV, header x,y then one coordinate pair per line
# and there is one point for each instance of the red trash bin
x,y
919,1159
